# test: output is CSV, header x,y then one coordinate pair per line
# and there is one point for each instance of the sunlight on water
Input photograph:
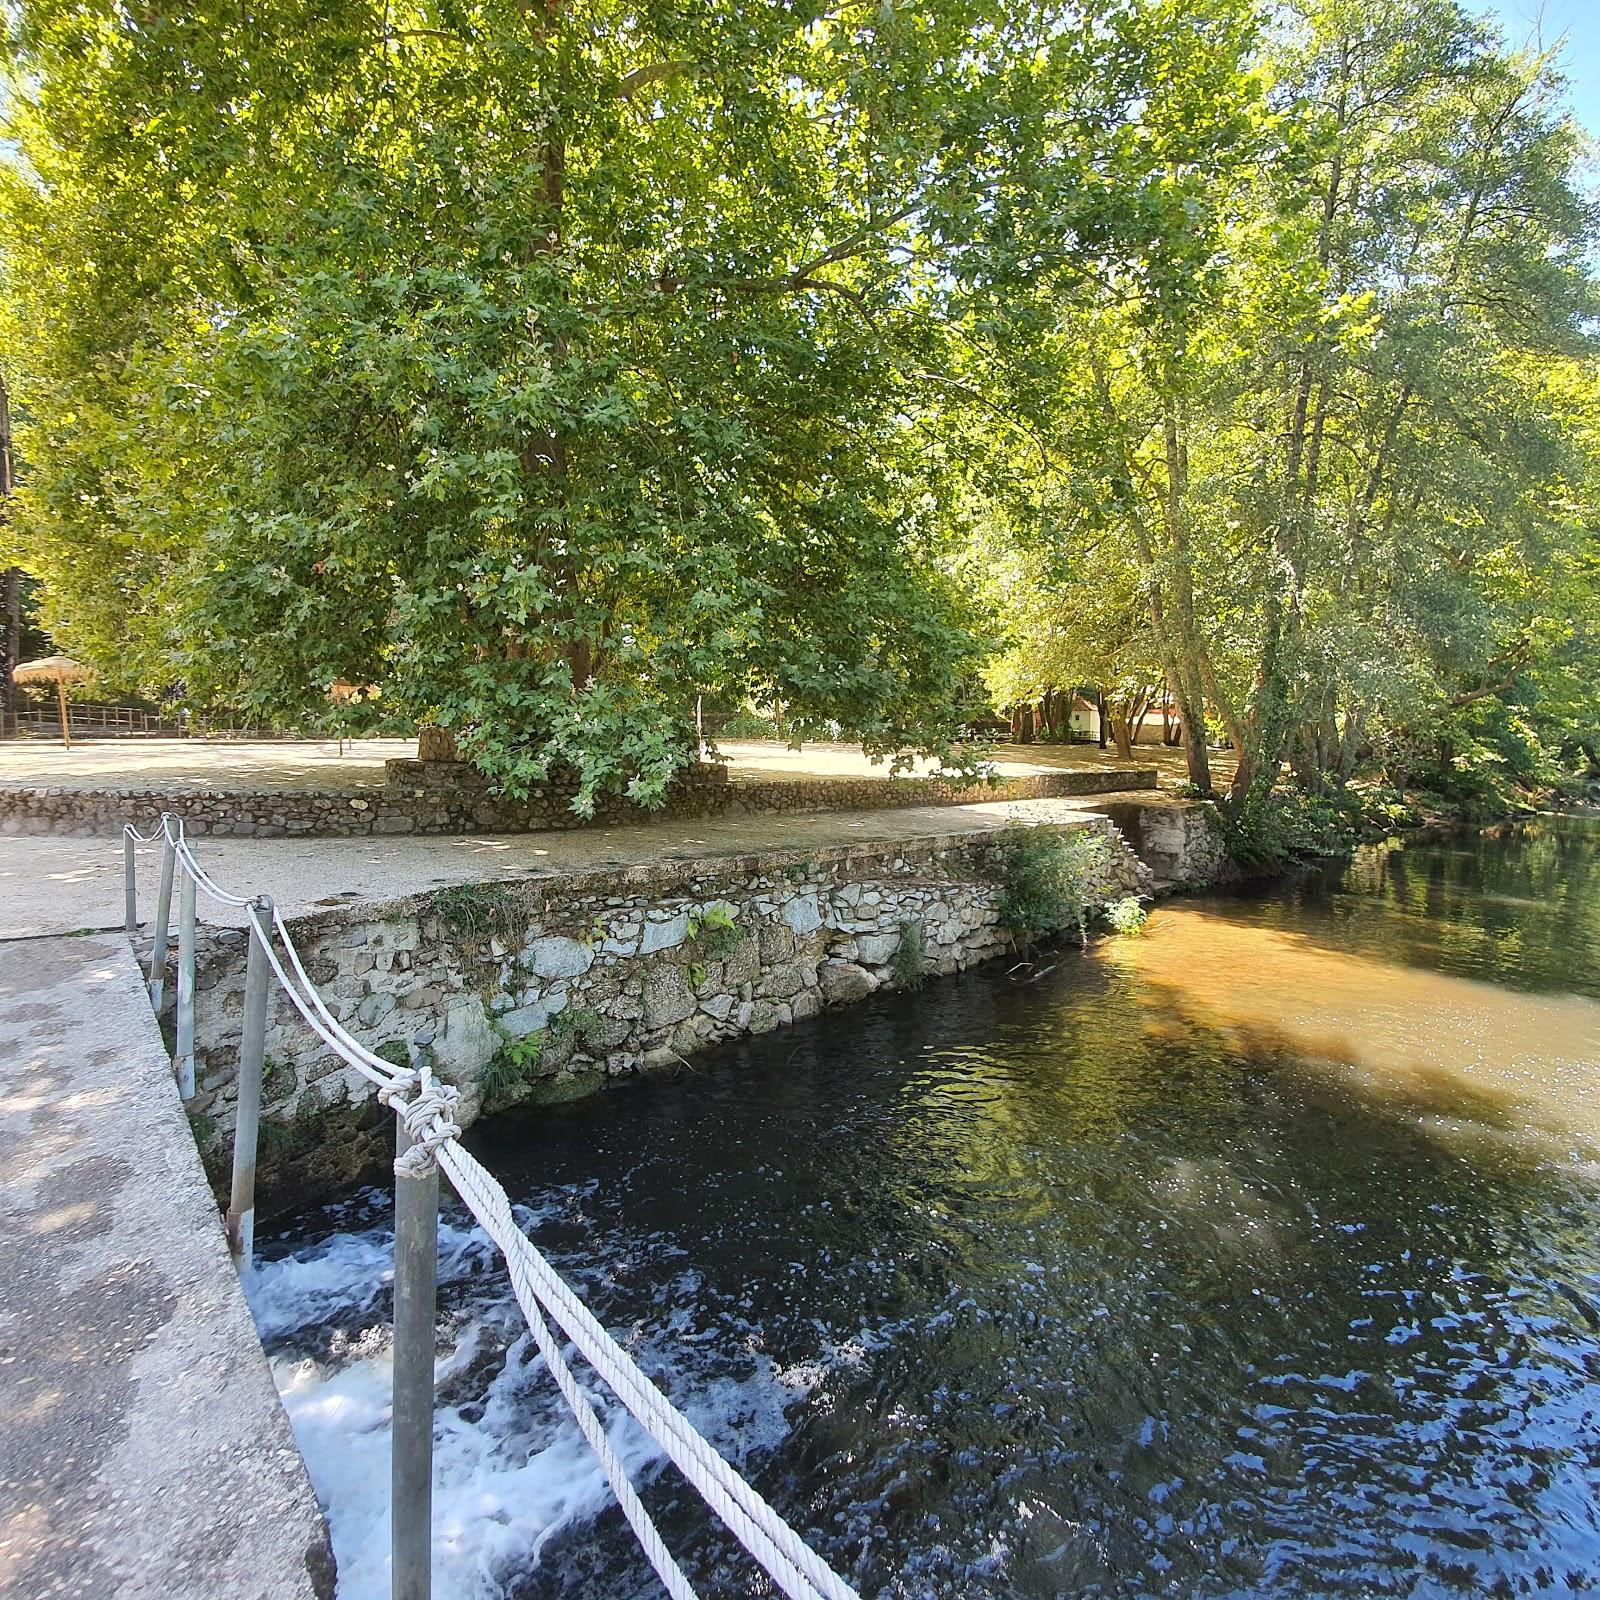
x,y
1467,1047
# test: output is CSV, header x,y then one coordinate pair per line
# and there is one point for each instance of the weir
x,y
115,1177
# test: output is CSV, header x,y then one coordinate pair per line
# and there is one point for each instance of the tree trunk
x,y
10,649
436,744
11,637
1122,732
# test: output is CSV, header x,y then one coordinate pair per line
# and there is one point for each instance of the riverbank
x,y
548,985
1260,1250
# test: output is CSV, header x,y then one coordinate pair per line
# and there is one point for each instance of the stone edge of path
x,y
144,1450
400,808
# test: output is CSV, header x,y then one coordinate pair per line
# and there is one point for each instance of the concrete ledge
x,y
143,1450
604,974
401,807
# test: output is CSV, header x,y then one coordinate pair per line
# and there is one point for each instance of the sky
x,y
1545,22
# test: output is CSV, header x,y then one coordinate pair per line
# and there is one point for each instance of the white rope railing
x,y
426,1109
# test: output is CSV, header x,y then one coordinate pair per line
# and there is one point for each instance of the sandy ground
x,y
313,764
66,885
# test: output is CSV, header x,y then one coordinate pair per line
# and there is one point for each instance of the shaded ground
x,y
318,764
62,885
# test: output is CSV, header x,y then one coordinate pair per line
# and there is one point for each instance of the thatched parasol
x,y
59,670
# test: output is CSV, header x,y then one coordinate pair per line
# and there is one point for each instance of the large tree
x,y
549,363
1338,411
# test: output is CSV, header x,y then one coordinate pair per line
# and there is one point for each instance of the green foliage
x,y
1288,824
1126,916
714,932
203,1127
911,957
578,1023
744,724
555,370
513,1064
548,371
1483,761
395,1051
1045,877
274,1136
1323,461
1383,809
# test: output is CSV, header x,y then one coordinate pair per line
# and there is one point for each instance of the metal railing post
x,y
416,1267
130,885
247,1116
163,922
183,1060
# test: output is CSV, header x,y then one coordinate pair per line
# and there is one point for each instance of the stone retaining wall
x,y
417,801
548,989
1179,840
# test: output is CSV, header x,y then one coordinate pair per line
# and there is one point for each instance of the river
x,y
1256,1255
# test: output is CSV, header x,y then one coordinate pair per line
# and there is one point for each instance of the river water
x,y
1258,1255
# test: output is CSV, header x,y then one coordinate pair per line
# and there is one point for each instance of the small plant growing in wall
x,y
472,916
1126,916
395,1051
1045,877
512,1064
713,932
911,957
474,913
273,1136
578,1023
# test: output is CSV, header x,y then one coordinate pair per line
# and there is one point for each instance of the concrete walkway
x,y
143,1452
61,885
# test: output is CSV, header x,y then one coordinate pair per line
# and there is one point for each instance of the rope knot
x,y
430,1119
400,1088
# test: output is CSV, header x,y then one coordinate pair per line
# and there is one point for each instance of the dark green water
x,y
1255,1257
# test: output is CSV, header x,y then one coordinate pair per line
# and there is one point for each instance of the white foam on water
x,y
511,1469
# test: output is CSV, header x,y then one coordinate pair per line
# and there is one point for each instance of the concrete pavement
x,y
66,884
144,1454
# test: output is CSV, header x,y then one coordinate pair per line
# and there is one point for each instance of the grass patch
x,y
476,912
911,957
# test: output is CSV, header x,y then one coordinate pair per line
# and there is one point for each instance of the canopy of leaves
x,y
551,365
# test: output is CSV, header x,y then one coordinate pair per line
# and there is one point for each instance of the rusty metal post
x,y
247,1116
416,1268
